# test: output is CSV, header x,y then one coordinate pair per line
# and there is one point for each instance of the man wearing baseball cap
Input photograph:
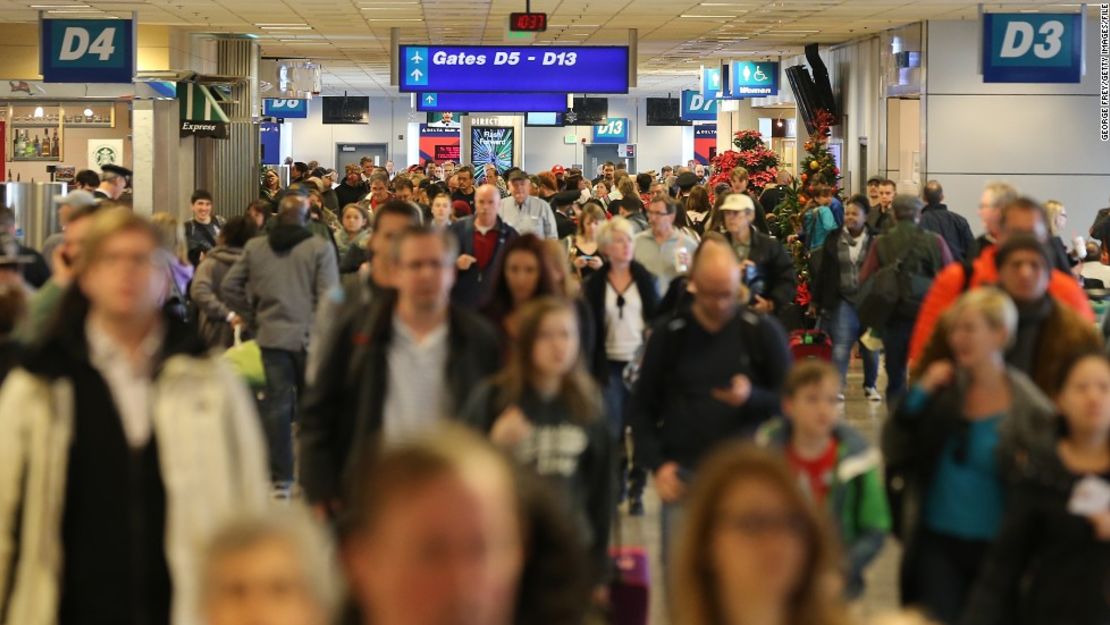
x,y
768,269
560,174
525,212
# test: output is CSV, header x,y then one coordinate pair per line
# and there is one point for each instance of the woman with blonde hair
x,y
175,254
753,550
954,443
1057,222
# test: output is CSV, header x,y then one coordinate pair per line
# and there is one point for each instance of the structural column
x,y
229,168
157,183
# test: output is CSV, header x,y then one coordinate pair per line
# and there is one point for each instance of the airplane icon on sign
x,y
416,58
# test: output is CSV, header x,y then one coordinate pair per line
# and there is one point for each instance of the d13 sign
x,y
615,130
89,51
1032,48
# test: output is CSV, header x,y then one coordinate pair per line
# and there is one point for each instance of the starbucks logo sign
x,y
106,156
105,152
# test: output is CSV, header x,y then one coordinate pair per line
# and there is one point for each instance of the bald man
x,y
712,373
482,237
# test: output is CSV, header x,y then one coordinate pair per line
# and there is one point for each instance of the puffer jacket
x,y
212,312
212,460
856,501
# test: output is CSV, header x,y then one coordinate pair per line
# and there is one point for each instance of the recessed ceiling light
x,y
706,17
395,19
59,6
584,25
70,11
277,25
303,42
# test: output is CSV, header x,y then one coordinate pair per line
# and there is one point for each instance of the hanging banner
x,y
87,51
285,109
696,107
104,152
269,134
752,78
712,83
439,143
491,145
201,115
524,69
705,143
1032,48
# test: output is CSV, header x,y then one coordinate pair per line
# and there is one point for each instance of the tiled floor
x,y
881,593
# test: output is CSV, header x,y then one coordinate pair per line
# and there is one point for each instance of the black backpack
x,y
897,288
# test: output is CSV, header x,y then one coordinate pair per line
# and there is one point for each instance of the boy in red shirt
x,y
835,465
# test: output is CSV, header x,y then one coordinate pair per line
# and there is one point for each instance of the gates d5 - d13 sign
x,y
526,69
89,51
1033,47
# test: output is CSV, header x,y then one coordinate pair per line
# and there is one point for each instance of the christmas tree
x,y
817,167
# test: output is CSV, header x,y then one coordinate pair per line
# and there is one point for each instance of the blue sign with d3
x,y
521,69
287,109
96,51
1033,47
615,131
754,78
696,107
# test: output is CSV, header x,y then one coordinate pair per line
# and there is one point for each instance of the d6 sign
x,y
1032,48
89,51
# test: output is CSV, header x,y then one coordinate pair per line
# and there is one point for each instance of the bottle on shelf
x,y
20,143
36,147
55,147
46,144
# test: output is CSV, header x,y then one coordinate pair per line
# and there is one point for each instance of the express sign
x,y
97,51
527,69
1024,47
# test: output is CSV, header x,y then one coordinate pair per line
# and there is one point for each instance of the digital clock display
x,y
528,22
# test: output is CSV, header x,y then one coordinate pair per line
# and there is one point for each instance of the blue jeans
x,y
846,330
284,384
616,396
896,347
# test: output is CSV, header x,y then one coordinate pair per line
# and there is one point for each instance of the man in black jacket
x,y
951,227
409,362
482,239
351,190
710,374
768,269
203,230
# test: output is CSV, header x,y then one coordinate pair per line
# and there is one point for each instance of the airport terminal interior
x,y
554,312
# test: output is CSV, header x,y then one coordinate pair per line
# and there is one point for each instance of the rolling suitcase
x,y
629,592
811,344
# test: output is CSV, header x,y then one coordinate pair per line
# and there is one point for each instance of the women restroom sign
x,y
87,51
1033,47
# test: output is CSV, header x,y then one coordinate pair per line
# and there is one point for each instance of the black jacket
x,y
673,416
593,293
574,458
200,239
825,288
774,276
36,272
343,410
470,285
1046,565
347,194
952,227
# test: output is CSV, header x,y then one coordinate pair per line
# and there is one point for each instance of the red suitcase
x,y
629,595
811,344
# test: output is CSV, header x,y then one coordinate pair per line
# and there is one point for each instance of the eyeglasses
x,y
658,213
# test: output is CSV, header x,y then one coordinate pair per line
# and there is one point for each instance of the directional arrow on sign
x,y
416,74
431,98
416,58
716,78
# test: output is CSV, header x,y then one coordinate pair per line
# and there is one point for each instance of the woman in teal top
x,y
819,221
952,444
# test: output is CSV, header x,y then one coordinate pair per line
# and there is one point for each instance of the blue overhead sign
x,y
750,78
97,51
613,131
492,102
712,84
287,109
1033,47
696,107
523,69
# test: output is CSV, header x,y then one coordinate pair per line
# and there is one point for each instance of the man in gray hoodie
x,y
276,286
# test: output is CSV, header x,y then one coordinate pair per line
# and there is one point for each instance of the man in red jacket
x,y
1023,215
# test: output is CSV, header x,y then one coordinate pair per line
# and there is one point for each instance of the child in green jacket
x,y
834,463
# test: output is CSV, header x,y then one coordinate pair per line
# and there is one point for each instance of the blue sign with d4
x,y
696,107
754,78
287,109
615,131
97,51
1033,47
